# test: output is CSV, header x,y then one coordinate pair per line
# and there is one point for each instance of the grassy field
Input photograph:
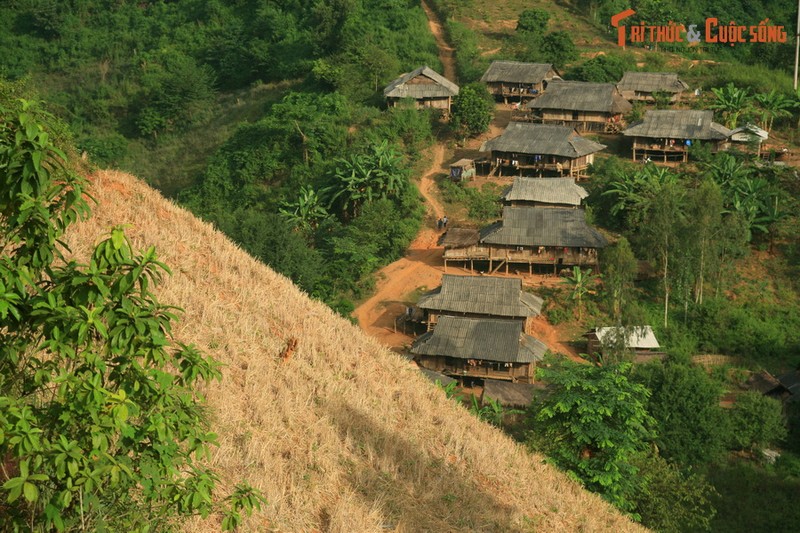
x,y
340,435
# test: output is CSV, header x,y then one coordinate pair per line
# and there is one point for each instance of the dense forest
x,y
266,118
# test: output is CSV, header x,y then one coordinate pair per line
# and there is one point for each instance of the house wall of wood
x,y
581,120
478,368
432,318
425,103
647,97
526,203
539,255
668,150
508,89
519,164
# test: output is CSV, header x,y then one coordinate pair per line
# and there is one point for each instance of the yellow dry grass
x,y
343,435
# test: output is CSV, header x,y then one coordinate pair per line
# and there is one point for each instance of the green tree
x,y
581,283
669,500
472,110
619,271
591,425
692,428
772,105
757,421
732,102
558,48
533,21
101,424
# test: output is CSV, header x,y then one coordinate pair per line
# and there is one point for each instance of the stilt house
x,y
483,348
533,236
428,88
544,192
581,105
518,81
480,297
645,86
539,150
665,136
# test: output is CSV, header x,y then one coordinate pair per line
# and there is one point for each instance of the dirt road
x,y
445,50
422,267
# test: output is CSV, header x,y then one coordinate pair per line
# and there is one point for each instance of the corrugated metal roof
x,y
679,124
489,339
651,82
637,336
546,191
401,88
581,96
516,72
485,295
542,139
543,226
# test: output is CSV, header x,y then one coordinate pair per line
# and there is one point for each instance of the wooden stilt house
x,y
647,86
518,81
540,150
531,236
480,297
544,192
428,88
665,136
483,348
581,105
639,342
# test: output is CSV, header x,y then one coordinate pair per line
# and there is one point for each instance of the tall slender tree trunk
x,y
666,283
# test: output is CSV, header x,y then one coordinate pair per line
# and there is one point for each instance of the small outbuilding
x,y
665,135
516,80
484,348
428,88
544,192
647,86
581,105
463,169
540,149
749,138
639,341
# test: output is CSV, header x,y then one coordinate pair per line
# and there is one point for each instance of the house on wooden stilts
x,y
527,149
518,81
665,135
555,237
480,297
647,86
581,105
483,348
544,192
426,87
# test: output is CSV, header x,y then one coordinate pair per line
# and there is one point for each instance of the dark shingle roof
x,y
581,96
489,339
400,88
543,226
512,394
459,238
542,139
483,295
679,124
545,190
516,72
651,82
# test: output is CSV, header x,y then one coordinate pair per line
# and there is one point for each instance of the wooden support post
x,y
530,268
471,266
490,260
445,266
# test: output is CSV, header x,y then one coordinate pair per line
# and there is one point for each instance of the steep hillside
x,y
340,434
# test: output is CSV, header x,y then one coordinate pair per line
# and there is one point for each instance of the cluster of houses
x,y
551,113
480,328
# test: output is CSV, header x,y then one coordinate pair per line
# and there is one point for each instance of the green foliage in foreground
x,y
472,110
101,424
591,425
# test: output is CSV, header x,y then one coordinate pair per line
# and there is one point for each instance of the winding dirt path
x,y
422,267
445,50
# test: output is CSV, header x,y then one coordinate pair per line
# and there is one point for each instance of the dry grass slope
x,y
341,435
